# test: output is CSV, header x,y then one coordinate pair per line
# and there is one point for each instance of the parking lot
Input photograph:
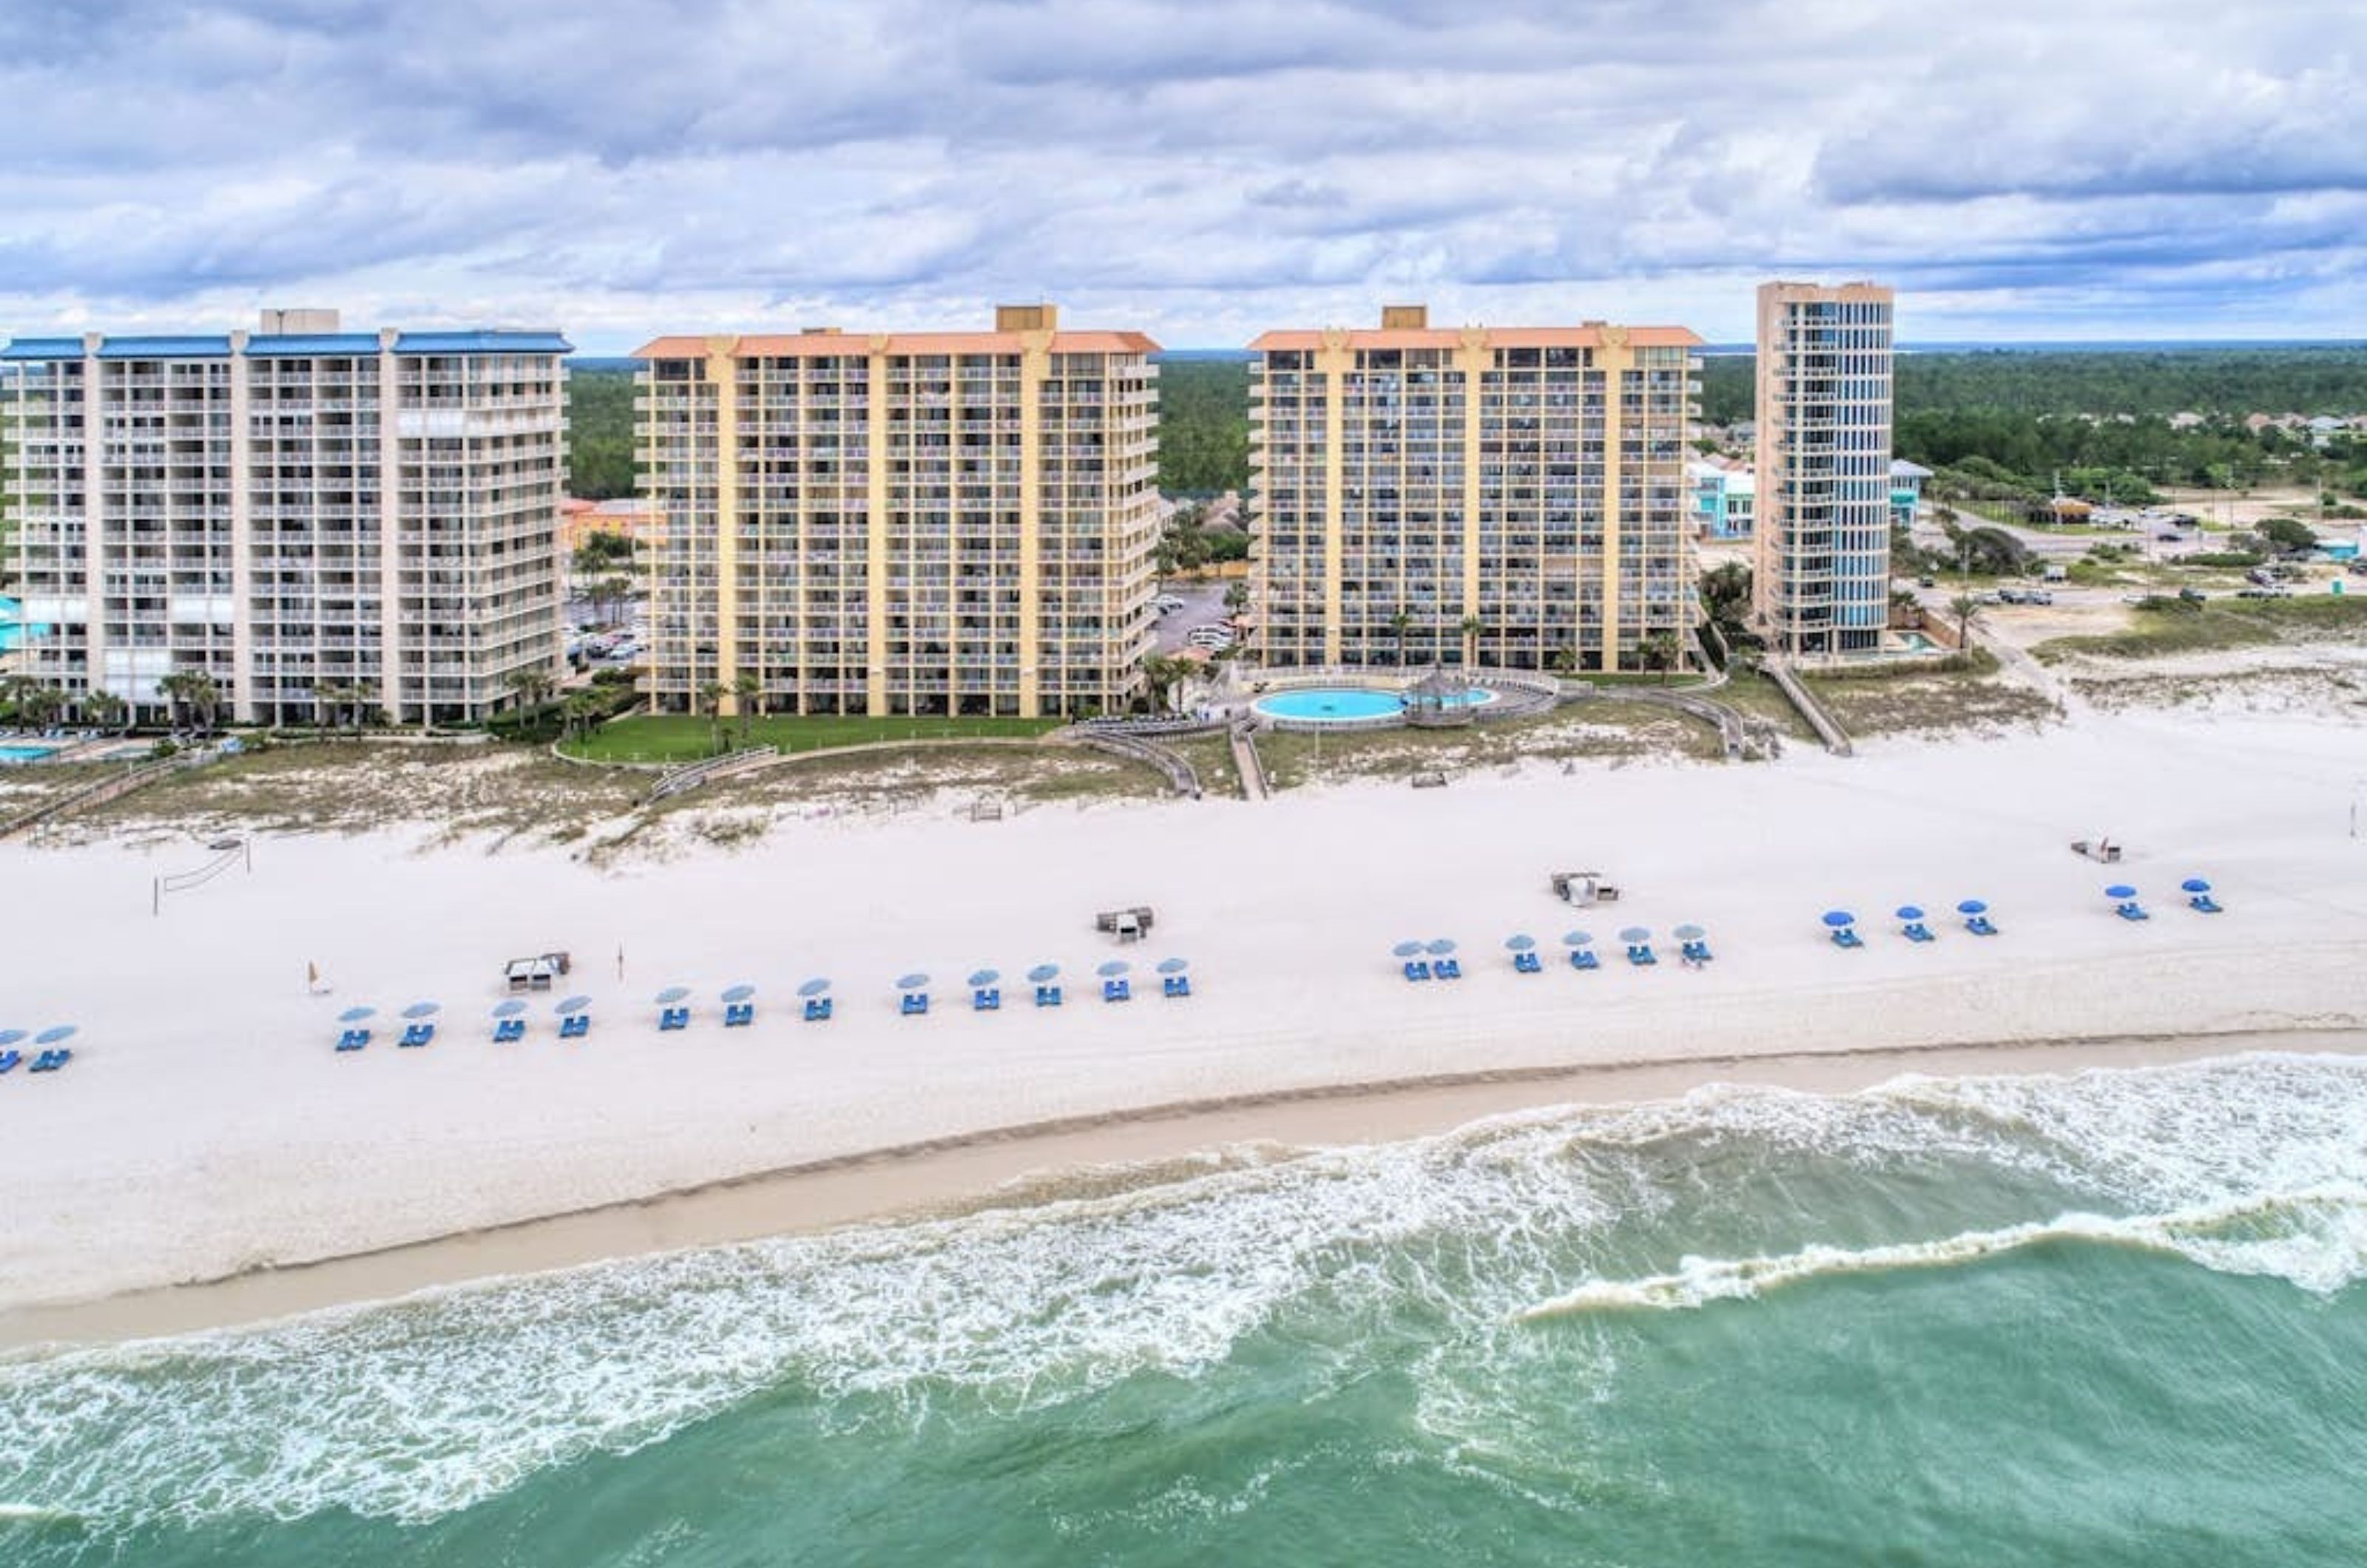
x,y
1204,602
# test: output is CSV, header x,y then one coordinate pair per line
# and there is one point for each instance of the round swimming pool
x,y
1343,705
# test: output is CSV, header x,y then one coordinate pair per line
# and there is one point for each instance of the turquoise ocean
x,y
2111,1317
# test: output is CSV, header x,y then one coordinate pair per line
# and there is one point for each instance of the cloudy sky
x,y
1202,169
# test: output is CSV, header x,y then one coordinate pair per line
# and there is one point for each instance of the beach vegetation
x,y
687,737
2161,624
1964,691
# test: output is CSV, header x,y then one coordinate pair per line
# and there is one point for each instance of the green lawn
x,y
681,738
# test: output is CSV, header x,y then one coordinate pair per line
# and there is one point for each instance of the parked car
x,y
2038,596
2012,596
1926,583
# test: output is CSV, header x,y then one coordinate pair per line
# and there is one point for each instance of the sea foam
x,y
415,1408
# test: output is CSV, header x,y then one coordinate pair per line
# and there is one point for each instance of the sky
x,y
1201,170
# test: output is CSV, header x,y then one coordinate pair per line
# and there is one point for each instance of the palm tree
x,y
1400,628
106,711
1237,597
1163,675
575,711
533,686
1658,651
1473,628
748,695
1967,608
710,697
1565,661
193,688
16,690
40,706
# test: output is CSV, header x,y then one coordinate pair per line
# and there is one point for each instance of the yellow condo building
x,y
1512,497
931,522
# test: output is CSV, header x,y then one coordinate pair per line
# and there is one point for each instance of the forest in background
x,y
1999,424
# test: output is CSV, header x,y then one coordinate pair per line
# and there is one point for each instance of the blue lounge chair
x,y
2204,904
1118,990
1846,936
914,1003
1417,969
986,999
575,1026
1584,958
1447,969
738,1015
9,1060
1916,931
2132,910
1047,995
816,1009
418,1034
509,1030
352,1040
674,1018
1640,954
1695,951
1980,925
1527,964
1176,984
51,1061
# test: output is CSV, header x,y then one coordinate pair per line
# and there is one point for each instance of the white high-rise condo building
x,y
1822,574
903,522
316,520
1501,496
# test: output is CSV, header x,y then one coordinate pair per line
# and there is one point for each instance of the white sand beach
x,y
206,1128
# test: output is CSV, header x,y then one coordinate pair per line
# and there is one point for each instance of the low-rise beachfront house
x,y
306,517
1725,492
903,522
1516,497
1906,491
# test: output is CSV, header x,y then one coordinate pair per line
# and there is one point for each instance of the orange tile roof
x,y
816,344
1491,337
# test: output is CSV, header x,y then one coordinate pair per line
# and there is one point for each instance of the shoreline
x,y
1039,1161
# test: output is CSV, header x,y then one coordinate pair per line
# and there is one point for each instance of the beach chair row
x,y
48,1061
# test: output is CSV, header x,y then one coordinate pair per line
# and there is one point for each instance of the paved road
x,y
1203,603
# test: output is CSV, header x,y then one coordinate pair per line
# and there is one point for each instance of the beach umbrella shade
x,y
2120,890
1173,965
1407,950
354,1015
813,988
1519,943
10,1036
985,977
2194,885
1114,969
1577,939
1688,934
423,1009
509,1009
1440,948
1043,972
572,1006
1972,907
1636,933
672,994
1837,919
56,1035
1909,912
913,983
738,993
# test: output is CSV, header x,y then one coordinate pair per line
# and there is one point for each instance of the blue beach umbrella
x,y
1440,948
1407,950
55,1035
1112,969
509,1009
1972,907
1688,934
738,993
10,1036
1173,965
1837,919
1636,933
1577,939
913,983
572,1006
985,977
672,994
2120,890
354,1015
1519,943
1909,912
1043,972
423,1009
2194,885
813,988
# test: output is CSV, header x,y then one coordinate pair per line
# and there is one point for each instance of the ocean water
x,y
2107,1318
